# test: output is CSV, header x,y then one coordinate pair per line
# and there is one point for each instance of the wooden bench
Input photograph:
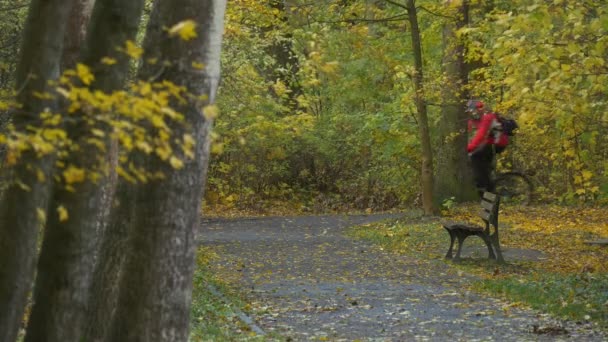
x,y
489,216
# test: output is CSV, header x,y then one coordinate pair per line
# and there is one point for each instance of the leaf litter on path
x,y
306,280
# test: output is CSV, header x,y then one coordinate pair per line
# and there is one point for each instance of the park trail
x,y
307,281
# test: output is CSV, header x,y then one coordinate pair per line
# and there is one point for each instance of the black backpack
x,y
508,125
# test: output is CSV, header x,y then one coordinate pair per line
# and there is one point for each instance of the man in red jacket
x,y
487,139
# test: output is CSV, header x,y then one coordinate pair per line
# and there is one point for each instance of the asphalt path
x,y
306,280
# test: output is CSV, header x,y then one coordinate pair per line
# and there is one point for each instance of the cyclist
x,y
487,139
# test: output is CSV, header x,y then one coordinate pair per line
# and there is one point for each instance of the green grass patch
x,y
423,237
581,296
213,317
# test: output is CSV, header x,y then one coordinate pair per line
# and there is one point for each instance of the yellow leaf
x,y
108,61
41,214
40,175
144,146
176,163
185,29
198,66
145,89
217,148
210,112
133,50
163,152
330,68
63,213
84,73
587,175
63,92
73,175
98,132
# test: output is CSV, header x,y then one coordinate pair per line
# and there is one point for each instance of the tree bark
x,y
104,292
156,284
286,64
76,32
39,62
453,178
69,250
421,108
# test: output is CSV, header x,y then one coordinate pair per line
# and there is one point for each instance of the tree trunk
x,y
156,284
453,178
286,64
76,32
19,220
421,108
69,250
112,252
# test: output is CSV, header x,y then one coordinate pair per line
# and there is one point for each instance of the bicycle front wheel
x,y
514,188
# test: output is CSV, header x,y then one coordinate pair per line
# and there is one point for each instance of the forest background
x,y
318,98
322,106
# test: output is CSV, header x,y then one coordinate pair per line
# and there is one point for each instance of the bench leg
x,y
486,239
452,238
496,244
461,239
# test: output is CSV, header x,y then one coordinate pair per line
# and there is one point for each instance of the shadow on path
x,y
307,281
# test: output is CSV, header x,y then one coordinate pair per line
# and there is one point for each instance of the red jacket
x,y
488,130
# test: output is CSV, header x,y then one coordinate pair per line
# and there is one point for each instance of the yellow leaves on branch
x,y
141,118
186,30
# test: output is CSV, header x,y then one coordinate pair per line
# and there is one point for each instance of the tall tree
x,y
286,65
156,286
453,176
76,32
421,108
27,193
68,251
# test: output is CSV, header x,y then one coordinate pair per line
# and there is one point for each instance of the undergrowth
x,y
214,317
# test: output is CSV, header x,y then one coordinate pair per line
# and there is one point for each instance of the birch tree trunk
x,y
453,175
69,249
156,284
39,62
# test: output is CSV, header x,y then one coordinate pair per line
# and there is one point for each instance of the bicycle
x,y
514,187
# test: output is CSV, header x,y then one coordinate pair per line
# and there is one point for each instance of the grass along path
x,y
549,265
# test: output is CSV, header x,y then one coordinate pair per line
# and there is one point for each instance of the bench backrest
x,y
489,208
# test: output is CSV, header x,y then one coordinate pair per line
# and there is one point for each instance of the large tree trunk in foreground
x,y
156,286
453,175
69,250
19,209
421,108
76,32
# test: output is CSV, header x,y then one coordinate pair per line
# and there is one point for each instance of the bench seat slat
x,y
463,226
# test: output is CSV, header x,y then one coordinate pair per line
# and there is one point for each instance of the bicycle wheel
x,y
514,188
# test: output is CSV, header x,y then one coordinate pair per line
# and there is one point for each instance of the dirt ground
x,y
307,281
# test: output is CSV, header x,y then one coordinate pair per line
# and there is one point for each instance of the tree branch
x,y
396,4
